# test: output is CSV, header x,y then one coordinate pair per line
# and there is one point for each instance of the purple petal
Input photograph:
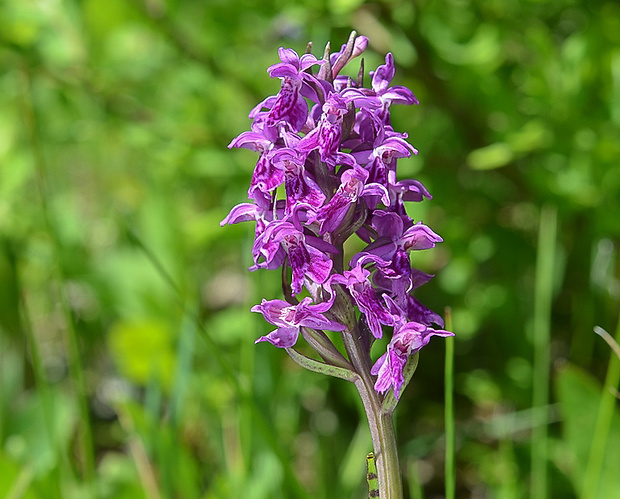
x,y
369,304
267,103
302,189
420,313
266,177
288,56
283,70
399,95
387,224
332,214
378,190
283,337
319,266
251,140
308,60
419,237
321,245
277,312
320,322
384,74
243,212
413,336
390,373
410,190
289,105
377,365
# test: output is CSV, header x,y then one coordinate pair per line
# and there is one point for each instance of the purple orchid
x,y
326,170
381,79
366,297
353,186
328,133
405,190
300,187
266,176
408,338
290,105
282,239
389,252
289,319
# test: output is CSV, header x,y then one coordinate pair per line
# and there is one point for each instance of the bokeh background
x,y
127,361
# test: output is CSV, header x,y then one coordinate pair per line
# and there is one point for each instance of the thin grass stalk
x,y
543,294
450,469
76,369
156,432
602,427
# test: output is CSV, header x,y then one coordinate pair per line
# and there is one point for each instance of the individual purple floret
x,y
367,298
300,187
327,171
290,318
409,337
327,135
290,105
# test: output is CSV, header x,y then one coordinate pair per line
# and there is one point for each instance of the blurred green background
x,y
127,361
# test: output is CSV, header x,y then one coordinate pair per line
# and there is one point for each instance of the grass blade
x,y
543,294
603,420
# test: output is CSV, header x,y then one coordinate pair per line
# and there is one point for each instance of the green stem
x,y
381,424
450,471
383,439
319,341
321,367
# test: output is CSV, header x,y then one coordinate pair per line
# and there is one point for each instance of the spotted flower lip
x,y
299,184
289,319
282,239
290,106
366,297
328,133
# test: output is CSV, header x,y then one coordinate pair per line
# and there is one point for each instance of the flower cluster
x,y
327,170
